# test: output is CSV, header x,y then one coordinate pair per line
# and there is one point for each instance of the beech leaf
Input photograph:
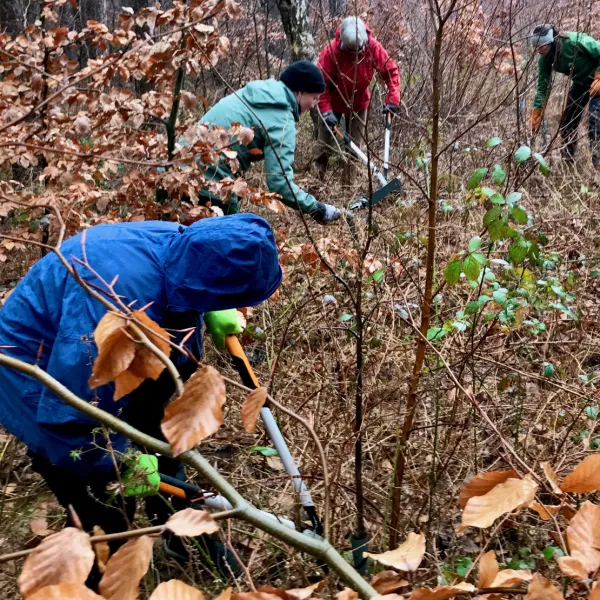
x,y
506,497
407,557
176,590
387,582
252,407
197,413
190,522
125,569
541,588
482,483
545,511
145,363
488,569
585,477
572,567
101,550
552,477
307,592
583,537
39,526
64,557
65,591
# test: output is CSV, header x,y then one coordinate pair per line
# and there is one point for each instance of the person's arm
x,y
279,157
591,47
326,63
388,69
544,73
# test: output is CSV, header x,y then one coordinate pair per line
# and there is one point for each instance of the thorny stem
x,y
320,549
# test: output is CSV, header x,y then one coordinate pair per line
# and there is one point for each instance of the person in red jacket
x,y
348,65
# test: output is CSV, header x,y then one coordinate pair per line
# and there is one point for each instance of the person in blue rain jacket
x,y
212,266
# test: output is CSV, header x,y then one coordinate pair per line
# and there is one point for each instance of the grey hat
x,y
353,34
542,35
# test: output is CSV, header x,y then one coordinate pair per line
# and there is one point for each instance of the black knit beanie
x,y
303,76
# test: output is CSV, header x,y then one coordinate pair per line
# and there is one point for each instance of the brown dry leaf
x,y
552,477
488,569
572,567
585,477
347,594
583,537
40,527
190,523
116,350
407,557
545,511
65,557
251,408
509,577
541,588
65,591
388,597
146,364
441,592
197,413
255,596
101,550
126,382
595,593
482,483
307,592
176,590
125,570
512,494
225,594
387,582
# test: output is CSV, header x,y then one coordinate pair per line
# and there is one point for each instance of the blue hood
x,y
208,268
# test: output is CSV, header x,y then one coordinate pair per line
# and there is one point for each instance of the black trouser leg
x,y
576,102
90,501
594,130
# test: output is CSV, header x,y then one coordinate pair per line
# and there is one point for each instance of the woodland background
x,y
491,253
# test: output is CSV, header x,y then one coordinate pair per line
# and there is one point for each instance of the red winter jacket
x,y
344,94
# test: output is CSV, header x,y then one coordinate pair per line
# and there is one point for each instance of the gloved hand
x,y
220,323
325,213
145,469
595,87
330,119
535,119
393,108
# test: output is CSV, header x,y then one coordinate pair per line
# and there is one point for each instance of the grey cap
x,y
353,34
542,35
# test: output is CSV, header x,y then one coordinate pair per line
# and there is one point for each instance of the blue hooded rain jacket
x,y
215,264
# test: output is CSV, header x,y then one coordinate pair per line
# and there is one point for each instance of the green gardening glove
x,y
144,470
221,323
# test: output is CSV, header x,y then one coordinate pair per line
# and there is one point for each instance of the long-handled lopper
x,y
181,489
387,187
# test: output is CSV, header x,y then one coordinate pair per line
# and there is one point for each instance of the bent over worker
x,y
348,64
272,109
577,55
183,275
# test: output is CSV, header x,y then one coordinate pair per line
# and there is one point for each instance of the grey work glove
x,y
325,213
330,119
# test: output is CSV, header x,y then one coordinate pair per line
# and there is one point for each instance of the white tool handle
x,y
365,159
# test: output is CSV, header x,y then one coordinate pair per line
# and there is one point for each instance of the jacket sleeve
x,y
279,157
592,48
388,69
327,65
544,73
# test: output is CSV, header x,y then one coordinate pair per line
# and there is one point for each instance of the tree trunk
x,y
294,17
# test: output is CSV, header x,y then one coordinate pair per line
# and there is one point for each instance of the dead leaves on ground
x,y
541,588
50,565
122,357
65,591
407,557
442,592
176,590
387,582
197,413
483,483
585,477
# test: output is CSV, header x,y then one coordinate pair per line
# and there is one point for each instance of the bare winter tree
x,y
294,17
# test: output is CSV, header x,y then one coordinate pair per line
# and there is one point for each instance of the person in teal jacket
x,y
577,55
271,108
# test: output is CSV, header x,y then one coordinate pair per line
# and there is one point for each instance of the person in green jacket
x,y
577,55
272,109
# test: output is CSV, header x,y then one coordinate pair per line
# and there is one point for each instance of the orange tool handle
x,y
240,360
172,490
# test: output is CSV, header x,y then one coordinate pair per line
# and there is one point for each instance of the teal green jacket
x,y
271,109
576,53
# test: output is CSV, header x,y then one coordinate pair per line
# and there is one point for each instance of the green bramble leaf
x,y
471,267
491,215
452,272
522,154
544,168
436,333
495,141
498,175
476,178
518,215
474,244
